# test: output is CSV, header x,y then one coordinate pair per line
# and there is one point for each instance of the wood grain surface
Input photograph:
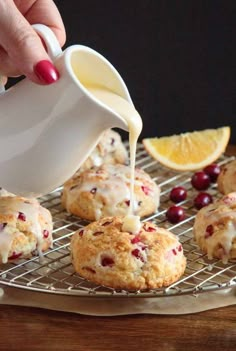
x,y
25,328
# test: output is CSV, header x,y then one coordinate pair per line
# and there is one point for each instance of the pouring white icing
x,y
134,121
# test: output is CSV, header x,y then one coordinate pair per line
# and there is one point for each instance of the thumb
x,y
23,47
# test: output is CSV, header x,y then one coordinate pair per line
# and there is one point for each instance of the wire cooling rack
x,y
54,273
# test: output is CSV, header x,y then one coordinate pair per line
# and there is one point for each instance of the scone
x,y
105,191
106,254
25,228
4,192
215,228
227,178
110,149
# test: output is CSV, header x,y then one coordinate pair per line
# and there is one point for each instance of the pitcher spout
x,y
97,77
116,121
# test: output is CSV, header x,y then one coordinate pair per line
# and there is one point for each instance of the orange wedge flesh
x,y
189,151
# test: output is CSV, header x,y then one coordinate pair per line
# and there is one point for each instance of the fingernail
x,y
46,72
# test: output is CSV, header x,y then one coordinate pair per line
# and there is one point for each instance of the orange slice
x,y
189,151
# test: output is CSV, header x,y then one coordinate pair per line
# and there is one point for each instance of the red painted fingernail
x,y
46,72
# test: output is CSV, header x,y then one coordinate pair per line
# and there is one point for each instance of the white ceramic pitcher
x,y
47,132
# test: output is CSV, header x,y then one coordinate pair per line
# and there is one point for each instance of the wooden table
x,y
24,328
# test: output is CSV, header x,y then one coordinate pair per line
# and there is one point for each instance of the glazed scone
x,y
25,228
104,253
105,191
110,149
227,178
215,228
4,192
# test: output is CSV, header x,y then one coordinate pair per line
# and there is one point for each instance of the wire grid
x,y
54,272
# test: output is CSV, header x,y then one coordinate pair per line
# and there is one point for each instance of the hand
x,y
21,49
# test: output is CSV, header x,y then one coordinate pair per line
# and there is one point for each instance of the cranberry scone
x,y
106,253
105,191
25,228
4,192
227,178
110,149
215,228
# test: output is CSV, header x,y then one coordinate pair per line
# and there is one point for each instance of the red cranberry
x,y
202,199
136,239
145,189
81,232
174,252
209,231
212,171
106,223
22,216
15,255
107,261
148,228
45,233
93,191
200,180
97,233
175,214
180,248
137,254
178,194
127,202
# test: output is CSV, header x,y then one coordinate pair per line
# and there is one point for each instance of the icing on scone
x,y
215,228
105,191
131,224
25,226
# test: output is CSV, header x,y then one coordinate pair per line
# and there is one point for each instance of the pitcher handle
x,y
50,40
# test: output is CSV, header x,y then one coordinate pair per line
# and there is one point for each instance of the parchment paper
x,y
118,306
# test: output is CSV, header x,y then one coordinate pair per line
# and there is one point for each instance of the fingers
x,y
46,12
3,81
7,67
22,51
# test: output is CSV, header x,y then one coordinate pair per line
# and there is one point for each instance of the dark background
x,y
178,58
